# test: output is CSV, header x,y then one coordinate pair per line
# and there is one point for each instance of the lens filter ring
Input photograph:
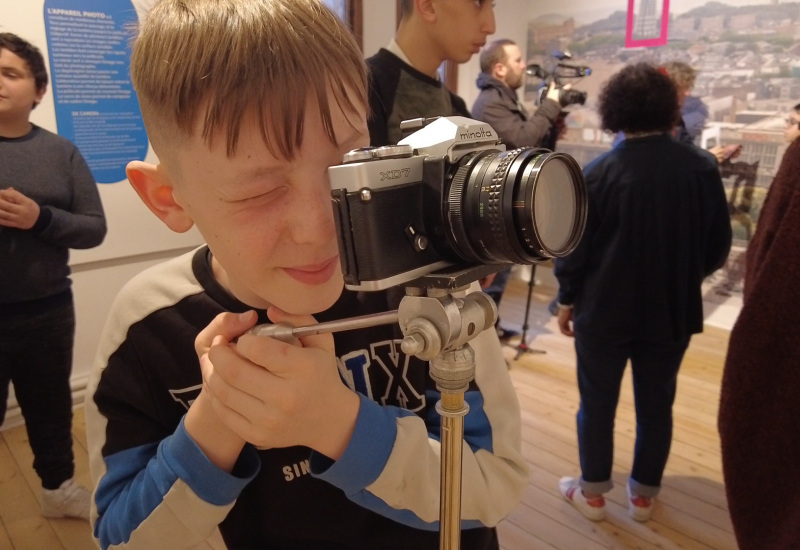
x,y
551,204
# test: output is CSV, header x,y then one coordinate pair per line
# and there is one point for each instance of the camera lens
x,y
518,206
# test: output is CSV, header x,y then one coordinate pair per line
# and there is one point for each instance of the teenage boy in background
x,y
329,442
404,78
48,204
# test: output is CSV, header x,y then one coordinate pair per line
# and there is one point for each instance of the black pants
x,y
601,365
36,356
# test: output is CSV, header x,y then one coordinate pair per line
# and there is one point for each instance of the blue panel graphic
x,y
96,107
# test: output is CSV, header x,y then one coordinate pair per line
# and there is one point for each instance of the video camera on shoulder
x,y
561,73
449,197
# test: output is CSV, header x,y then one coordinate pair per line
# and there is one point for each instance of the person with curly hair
x,y
657,226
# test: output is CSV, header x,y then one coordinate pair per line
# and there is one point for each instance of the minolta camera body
x,y
448,195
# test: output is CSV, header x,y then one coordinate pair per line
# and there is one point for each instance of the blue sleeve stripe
x,y
212,484
477,428
373,437
365,459
137,480
128,493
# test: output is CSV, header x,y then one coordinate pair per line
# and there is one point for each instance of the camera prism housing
x,y
450,195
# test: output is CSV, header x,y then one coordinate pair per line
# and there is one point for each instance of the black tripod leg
x,y
522,348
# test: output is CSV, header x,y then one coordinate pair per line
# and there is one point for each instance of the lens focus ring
x,y
494,205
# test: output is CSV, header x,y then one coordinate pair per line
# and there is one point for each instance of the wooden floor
x,y
691,510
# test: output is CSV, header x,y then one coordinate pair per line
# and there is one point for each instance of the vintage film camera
x,y
561,73
450,196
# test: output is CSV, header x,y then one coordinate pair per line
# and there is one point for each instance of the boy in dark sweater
x,y
48,204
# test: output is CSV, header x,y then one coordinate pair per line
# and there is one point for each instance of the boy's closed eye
x,y
262,183
267,195
12,74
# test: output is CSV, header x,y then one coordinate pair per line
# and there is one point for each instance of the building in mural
x,y
647,21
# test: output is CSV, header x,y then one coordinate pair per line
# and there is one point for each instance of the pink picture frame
x,y
660,40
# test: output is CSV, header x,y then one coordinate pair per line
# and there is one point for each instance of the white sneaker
x,y
593,509
640,508
70,500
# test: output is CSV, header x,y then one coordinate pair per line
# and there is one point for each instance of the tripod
x,y
523,348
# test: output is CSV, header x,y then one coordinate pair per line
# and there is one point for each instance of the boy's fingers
x,y
224,328
283,359
206,368
322,341
234,401
230,376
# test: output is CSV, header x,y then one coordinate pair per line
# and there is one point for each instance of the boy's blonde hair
x,y
206,64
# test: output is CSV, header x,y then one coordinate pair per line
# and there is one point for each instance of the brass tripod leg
x,y
452,409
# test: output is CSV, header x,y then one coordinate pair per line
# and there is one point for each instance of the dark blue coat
x,y
658,224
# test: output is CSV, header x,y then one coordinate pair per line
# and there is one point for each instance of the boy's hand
x,y
225,328
17,210
220,444
275,394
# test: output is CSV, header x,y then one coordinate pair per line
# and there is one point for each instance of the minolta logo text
x,y
395,174
482,133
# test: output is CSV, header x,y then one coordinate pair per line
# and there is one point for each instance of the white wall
x,y
379,24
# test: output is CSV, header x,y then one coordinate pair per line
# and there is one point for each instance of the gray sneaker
x,y
68,501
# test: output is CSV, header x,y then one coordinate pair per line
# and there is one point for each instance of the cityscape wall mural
x,y
746,55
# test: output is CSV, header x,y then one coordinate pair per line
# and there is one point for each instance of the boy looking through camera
x,y
260,436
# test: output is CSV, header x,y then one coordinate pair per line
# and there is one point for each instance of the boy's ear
x,y
155,189
40,94
425,9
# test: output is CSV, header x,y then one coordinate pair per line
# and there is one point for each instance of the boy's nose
x,y
489,25
312,220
